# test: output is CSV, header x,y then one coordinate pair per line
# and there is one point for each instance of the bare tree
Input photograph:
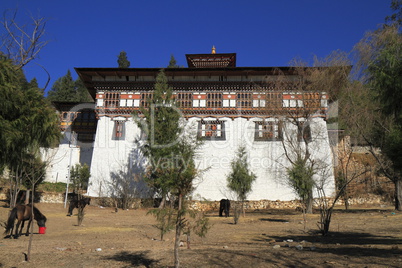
x,y
309,91
22,42
347,171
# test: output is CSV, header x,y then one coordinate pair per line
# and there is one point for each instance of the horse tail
x,y
11,220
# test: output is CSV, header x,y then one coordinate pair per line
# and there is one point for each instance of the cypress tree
x,y
122,60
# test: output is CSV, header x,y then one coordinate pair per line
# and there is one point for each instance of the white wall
x,y
115,158
266,159
59,160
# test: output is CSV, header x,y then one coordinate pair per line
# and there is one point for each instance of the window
x,y
268,131
259,100
99,98
199,99
303,132
214,100
211,130
130,99
119,130
112,99
184,100
292,100
145,97
229,99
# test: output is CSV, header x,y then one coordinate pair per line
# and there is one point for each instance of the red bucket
x,y
42,230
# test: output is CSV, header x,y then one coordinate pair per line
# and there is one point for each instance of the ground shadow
x,y
133,259
229,258
346,238
364,210
274,220
348,243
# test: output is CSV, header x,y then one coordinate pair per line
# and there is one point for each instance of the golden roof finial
x,y
213,50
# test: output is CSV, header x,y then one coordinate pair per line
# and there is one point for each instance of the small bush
x,y
58,187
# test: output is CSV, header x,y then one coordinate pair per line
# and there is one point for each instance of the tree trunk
x,y
178,233
309,204
162,203
27,197
398,194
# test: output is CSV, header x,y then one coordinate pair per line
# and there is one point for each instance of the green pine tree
x,y
162,128
240,178
27,122
171,156
172,62
122,60
63,89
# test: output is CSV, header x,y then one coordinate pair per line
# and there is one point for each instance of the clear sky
x,y
91,33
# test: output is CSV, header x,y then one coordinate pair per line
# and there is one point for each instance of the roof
x,y
86,74
221,60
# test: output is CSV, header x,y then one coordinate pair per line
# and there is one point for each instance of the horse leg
x,y
70,209
22,227
29,225
11,232
16,228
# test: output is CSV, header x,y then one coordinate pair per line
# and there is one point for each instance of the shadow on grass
x,y
274,220
346,238
291,257
133,259
349,243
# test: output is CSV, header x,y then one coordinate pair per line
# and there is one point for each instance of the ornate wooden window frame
x,y
268,130
211,130
119,130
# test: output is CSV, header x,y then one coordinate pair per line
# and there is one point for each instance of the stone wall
x,y
52,197
214,205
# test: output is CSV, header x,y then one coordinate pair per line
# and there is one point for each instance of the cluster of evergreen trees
x,y
66,89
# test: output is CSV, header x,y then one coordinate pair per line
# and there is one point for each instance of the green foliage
x,y
161,126
79,177
33,171
58,187
82,92
122,60
197,223
27,120
396,5
164,218
240,178
392,146
301,179
172,63
65,89
27,123
385,70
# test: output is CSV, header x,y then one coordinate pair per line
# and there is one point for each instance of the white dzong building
x,y
225,105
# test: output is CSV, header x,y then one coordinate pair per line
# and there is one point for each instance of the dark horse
x,y
78,204
23,213
224,206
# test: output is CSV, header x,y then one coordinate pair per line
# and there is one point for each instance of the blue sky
x,y
91,33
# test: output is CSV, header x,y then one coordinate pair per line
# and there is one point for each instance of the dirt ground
x,y
360,237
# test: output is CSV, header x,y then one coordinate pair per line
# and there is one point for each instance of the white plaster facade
x,y
59,159
211,88
266,159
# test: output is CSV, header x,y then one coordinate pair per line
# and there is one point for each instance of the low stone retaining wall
x,y
49,197
52,197
214,205
249,205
